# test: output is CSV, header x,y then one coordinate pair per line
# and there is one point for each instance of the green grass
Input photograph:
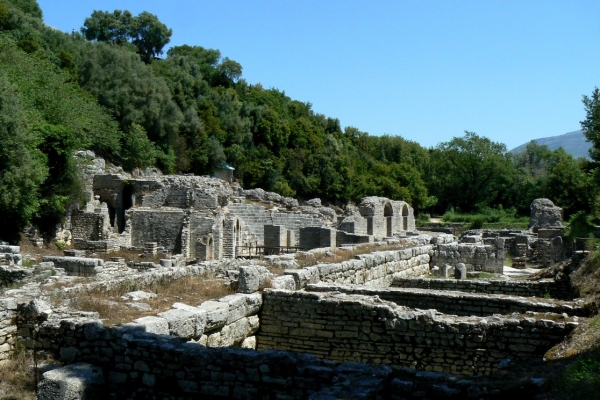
x,y
580,380
496,218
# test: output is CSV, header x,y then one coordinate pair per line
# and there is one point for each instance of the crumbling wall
x,y
90,226
13,273
8,326
362,329
555,289
459,303
373,269
256,216
476,257
161,226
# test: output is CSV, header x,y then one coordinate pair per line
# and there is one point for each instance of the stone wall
x,y
316,237
459,303
229,321
363,329
79,266
557,290
161,226
477,257
12,273
343,238
8,327
373,269
145,365
256,216
90,226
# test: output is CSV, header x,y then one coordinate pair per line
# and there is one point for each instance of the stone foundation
x,y
350,328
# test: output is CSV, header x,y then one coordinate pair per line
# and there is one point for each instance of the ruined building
x,y
208,218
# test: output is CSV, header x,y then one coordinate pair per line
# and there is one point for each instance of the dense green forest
x,y
106,89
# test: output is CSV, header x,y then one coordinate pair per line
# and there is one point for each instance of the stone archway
x,y
405,217
388,214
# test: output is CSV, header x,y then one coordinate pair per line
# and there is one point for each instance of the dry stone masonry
x,y
352,328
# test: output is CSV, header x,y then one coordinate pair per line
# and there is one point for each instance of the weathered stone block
x,y
75,381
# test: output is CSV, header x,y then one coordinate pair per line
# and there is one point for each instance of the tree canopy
x,y
144,31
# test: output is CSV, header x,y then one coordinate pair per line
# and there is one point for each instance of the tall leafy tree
x,y
470,172
591,124
144,31
149,35
22,165
104,26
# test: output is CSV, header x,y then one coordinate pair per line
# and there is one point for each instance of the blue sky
x,y
424,70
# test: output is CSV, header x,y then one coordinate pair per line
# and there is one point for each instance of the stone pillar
x,y
445,271
460,271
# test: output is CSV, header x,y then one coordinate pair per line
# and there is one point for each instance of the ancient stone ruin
x,y
301,323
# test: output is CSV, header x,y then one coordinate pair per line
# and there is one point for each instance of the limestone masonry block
x,y
181,322
151,324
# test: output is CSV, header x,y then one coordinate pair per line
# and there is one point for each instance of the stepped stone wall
x,y
459,303
350,328
555,289
256,216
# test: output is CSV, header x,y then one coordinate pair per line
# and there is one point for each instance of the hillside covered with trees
x,y
107,89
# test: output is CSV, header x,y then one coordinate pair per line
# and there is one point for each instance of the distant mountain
x,y
573,142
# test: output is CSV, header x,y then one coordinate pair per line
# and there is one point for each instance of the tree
x,y
30,7
149,35
591,124
22,165
469,172
145,31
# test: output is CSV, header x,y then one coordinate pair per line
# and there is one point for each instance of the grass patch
x,y
191,290
496,218
578,377
587,277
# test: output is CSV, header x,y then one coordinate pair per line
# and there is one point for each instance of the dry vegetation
x,y
191,290
17,379
132,255
339,255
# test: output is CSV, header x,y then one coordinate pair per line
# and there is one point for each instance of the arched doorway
x,y
388,214
405,217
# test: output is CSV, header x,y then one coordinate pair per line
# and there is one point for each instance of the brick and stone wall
x,y
555,289
460,303
362,329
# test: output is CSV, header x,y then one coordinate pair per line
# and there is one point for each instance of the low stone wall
x,y
230,321
373,269
146,364
363,329
477,257
8,327
557,290
460,303
10,274
79,266
137,364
